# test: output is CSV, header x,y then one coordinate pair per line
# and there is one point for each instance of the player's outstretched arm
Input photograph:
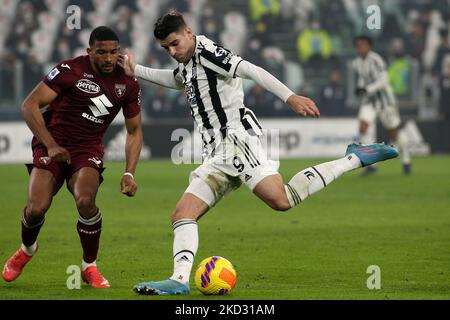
x,y
299,104
162,77
133,147
41,96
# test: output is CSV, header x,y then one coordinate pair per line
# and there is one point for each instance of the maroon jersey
x,y
87,102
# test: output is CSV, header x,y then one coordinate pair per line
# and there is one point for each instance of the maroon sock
x,y
30,232
90,237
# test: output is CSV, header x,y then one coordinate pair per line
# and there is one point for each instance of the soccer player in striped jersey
x,y
377,99
233,153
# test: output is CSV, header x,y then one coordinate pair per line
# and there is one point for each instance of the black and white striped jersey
x,y
372,75
215,94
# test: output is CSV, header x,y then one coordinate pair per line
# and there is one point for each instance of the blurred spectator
x,y
314,42
288,72
261,102
399,69
121,23
445,90
159,106
441,54
415,44
332,96
261,8
332,18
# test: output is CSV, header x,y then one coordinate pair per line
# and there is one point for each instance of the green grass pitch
x,y
319,250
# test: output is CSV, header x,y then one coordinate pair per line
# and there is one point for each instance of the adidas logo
x,y
247,177
184,258
349,158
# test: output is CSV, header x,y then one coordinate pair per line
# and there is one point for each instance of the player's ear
x,y
88,50
188,32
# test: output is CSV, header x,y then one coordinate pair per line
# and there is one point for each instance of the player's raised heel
x,y
162,288
372,153
14,266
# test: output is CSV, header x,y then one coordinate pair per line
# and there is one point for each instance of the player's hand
x,y
360,92
56,153
303,105
128,186
127,62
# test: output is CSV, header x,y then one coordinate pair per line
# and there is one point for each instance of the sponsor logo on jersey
x,y
120,89
190,93
220,52
92,118
53,74
87,75
87,86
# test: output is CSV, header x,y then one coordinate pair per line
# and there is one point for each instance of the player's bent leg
x,y
272,191
401,143
41,188
194,203
84,186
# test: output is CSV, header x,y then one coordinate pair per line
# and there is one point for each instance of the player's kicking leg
x,y
40,193
84,186
308,181
184,222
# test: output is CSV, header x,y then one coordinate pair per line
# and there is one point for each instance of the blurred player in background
x,y
232,151
68,113
377,99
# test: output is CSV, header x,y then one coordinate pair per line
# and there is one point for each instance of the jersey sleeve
x,y
60,78
220,60
132,106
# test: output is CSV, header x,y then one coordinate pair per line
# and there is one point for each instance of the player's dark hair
x,y
102,33
363,38
171,22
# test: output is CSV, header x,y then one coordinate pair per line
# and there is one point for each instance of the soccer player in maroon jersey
x,y
68,113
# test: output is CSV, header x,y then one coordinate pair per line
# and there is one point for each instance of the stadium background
x,y
308,45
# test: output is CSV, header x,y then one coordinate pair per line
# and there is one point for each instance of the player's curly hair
x,y
102,33
171,22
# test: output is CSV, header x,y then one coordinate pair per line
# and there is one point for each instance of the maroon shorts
x,y
62,171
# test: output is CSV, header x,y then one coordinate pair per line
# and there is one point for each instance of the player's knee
x,y
85,205
37,209
179,214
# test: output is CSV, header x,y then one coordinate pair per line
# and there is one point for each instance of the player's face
x,y
180,45
362,47
103,55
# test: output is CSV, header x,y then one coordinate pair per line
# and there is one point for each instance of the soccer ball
x,y
215,276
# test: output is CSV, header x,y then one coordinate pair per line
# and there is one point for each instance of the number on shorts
x,y
238,164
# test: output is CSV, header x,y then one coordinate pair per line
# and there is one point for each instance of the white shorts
x,y
240,158
389,115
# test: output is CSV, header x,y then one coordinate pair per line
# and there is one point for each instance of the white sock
x,y
31,250
402,144
185,245
85,265
313,179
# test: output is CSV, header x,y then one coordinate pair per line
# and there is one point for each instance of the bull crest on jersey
x,y
120,89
